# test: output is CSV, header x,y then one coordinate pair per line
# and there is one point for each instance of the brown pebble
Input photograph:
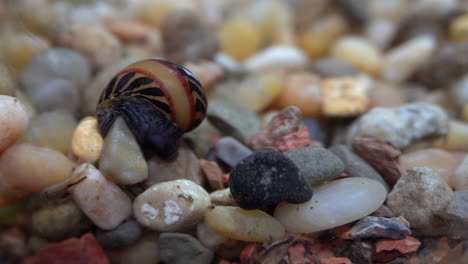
x,y
128,30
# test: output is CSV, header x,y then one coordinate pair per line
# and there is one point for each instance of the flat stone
x,y
231,151
125,235
267,178
316,164
380,227
180,248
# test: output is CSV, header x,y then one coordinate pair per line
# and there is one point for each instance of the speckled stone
x,y
125,235
177,248
316,164
267,178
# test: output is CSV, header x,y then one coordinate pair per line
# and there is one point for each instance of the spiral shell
x,y
148,94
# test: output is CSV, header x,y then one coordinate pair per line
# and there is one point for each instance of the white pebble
x,y
14,120
283,56
333,204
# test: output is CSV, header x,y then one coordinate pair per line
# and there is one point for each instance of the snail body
x,y
158,100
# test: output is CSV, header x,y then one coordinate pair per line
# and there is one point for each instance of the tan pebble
x,y
244,225
222,197
319,37
302,89
346,96
52,130
8,194
385,94
30,108
7,85
457,137
381,32
31,168
154,12
171,206
14,120
207,72
121,159
87,141
260,90
235,31
458,28
441,161
277,57
128,30
359,52
465,112
460,179
101,200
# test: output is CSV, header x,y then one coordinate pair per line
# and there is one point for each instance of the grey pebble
x,y
380,227
231,151
145,251
178,248
355,166
333,67
461,199
126,234
316,164
57,94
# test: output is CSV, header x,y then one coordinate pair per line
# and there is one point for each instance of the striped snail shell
x,y
158,100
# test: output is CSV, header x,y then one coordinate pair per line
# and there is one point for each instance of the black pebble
x,y
267,178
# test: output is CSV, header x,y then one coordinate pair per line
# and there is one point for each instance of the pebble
x,y
381,32
155,12
187,38
345,96
245,225
458,254
56,94
402,61
400,126
354,166
459,90
171,206
417,195
316,164
102,201
29,168
461,200
123,236
222,197
144,251
224,116
235,31
213,173
7,83
51,130
284,56
380,227
105,49
386,94
460,178
30,108
442,162
181,248
222,245
301,89
456,138
258,91
13,244
358,197
128,30
56,63
356,251
319,36
356,10
202,139
458,28
121,159
361,53
14,119
207,72
185,166
333,67
36,244
87,141
58,222
267,178
231,151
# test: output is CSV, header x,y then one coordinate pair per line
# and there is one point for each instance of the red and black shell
x,y
159,101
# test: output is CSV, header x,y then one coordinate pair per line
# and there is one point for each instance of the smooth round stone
x,y
222,245
57,94
458,28
18,49
125,235
52,130
267,178
335,203
171,206
284,56
31,168
460,178
231,151
386,94
236,31
180,248
56,63
102,201
121,159
7,84
87,141
145,251
244,225
333,67
381,32
30,108
14,119
222,197
60,221
258,91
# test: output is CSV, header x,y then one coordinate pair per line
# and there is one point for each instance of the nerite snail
x,y
158,100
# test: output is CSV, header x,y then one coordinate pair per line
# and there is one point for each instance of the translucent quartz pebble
x,y
171,206
100,199
14,119
244,225
283,56
333,204
31,168
87,142
121,158
399,126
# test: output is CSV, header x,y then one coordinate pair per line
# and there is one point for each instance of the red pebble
x,y
249,251
335,260
296,254
85,250
295,140
407,245
213,174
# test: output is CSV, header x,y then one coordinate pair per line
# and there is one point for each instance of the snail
x,y
158,100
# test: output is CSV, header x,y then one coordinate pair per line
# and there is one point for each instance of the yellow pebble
x,y
154,12
260,91
317,40
87,142
239,38
459,28
244,225
276,22
465,112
